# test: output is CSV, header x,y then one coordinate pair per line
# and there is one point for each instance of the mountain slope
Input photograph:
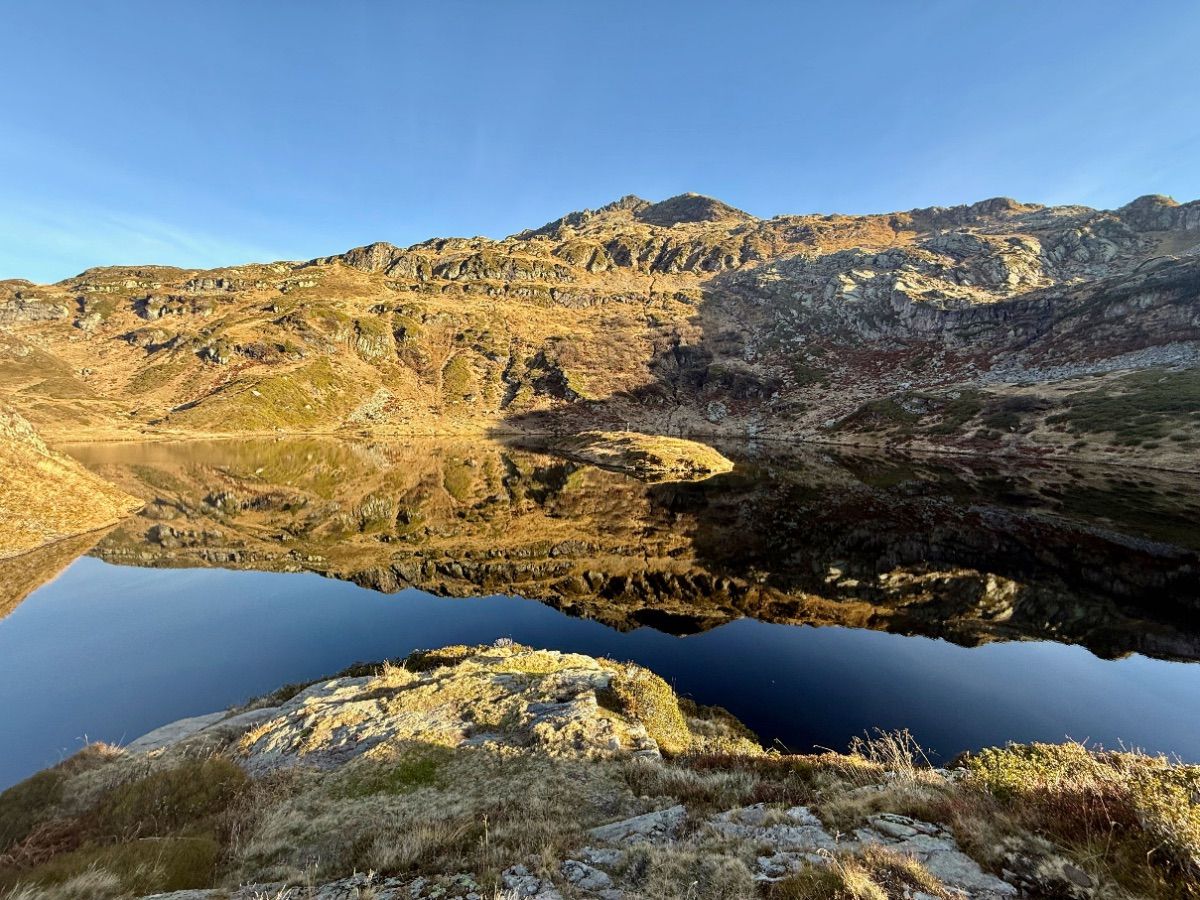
x,y
45,496
995,327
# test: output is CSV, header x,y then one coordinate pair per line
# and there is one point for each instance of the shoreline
x,y
1013,457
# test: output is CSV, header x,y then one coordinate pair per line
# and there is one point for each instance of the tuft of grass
x,y
188,796
874,874
36,799
669,873
896,752
817,882
92,884
24,805
640,694
699,789
138,867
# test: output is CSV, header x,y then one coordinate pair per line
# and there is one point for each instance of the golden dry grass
x,y
46,496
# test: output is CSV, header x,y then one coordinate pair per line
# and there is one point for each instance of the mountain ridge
x,y
681,316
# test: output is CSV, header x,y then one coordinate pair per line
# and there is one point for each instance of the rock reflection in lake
x,y
949,548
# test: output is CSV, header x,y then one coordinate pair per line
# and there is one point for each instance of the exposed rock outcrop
x,y
648,457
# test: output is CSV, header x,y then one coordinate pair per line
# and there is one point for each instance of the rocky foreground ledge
x,y
504,771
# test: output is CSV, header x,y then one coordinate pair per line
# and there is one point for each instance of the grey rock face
x,y
30,309
935,848
585,877
661,825
522,883
216,728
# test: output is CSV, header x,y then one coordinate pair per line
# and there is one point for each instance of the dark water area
x,y
99,655
815,597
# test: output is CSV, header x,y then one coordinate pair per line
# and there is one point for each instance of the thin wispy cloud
x,y
83,239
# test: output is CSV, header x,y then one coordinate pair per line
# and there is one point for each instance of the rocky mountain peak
x,y
1000,206
1156,212
1149,202
629,201
941,217
689,208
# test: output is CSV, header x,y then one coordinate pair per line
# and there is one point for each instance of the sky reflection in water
x,y
110,652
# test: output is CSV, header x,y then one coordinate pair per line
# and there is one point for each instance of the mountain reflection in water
x,y
1025,561
950,548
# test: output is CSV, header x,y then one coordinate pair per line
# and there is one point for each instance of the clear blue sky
x,y
210,133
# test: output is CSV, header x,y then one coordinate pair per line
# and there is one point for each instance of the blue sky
x,y
212,133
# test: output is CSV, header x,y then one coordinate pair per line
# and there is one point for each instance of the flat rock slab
x,y
935,848
651,827
174,732
218,726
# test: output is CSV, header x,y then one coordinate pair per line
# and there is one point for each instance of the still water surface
x,y
109,652
813,595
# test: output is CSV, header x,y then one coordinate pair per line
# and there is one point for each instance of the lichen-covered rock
x,y
661,825
794,836
504,697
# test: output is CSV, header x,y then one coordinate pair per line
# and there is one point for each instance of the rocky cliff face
x,y
680,316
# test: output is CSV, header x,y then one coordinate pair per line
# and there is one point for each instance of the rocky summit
x,y
997,328
508,772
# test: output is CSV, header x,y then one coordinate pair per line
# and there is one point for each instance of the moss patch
x,y
419,769
1139,407
311,395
